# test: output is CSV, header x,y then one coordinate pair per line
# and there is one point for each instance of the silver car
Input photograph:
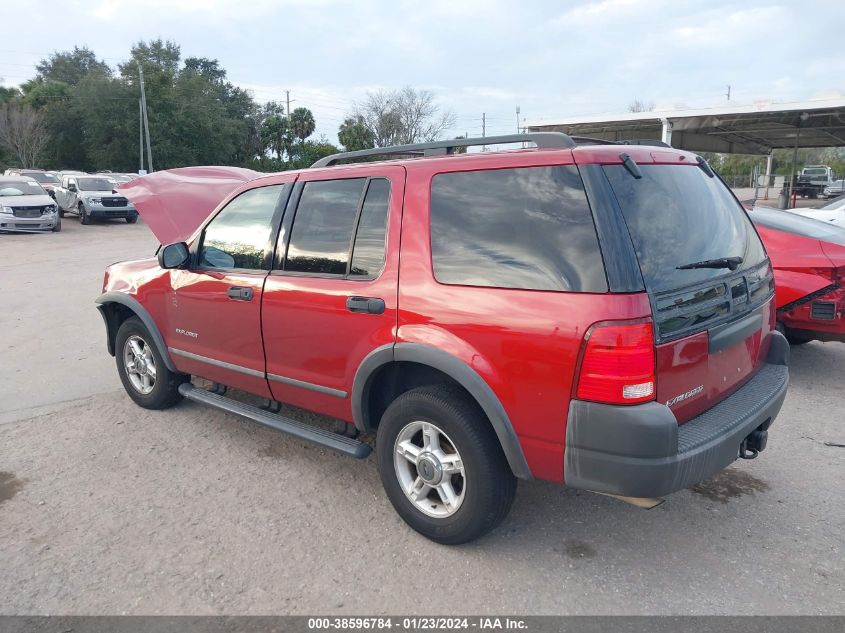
x,y
836,188
93,197
26,207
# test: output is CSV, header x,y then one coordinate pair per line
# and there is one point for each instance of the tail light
x,y
617,365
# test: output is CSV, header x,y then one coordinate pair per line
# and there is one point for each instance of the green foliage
x,y
354,135
302,123
71,66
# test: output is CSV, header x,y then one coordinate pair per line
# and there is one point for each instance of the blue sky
x,y
553,59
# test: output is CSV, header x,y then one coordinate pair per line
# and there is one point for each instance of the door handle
x,y
240,293
368,305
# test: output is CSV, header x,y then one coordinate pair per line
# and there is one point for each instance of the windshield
x,y
95,184
798,225
677,216
815,172
21,188
46,178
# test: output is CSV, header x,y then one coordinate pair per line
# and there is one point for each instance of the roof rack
x,y
589,140
543,140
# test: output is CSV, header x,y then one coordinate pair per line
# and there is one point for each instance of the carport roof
x,y
750,129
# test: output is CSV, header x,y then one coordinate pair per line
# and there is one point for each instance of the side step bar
x,y
315,435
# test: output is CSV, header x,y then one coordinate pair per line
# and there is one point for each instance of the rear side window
x,y
528,228
368,251
676,216
323,225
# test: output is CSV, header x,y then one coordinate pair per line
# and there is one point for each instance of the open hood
x,y
175,202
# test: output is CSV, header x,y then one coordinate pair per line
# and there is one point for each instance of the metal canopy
x,y
754,129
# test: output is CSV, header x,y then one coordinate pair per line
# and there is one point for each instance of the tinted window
x,y
798,225
323,225
368,252
676,215
238,235
21,188
515,228
95,184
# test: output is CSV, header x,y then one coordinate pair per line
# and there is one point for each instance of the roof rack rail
x,y
589,140
645,141
543,140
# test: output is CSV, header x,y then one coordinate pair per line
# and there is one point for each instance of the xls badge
x,y
685,396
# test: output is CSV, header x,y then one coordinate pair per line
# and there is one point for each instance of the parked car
x,y
93,198
809,261
836,188
600,316
832,212
26,207
46,179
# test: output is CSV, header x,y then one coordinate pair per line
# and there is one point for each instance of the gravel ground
x,y
107,509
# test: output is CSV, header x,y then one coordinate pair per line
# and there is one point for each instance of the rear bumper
x,y
640,451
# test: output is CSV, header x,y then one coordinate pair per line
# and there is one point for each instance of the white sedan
x,y
833,212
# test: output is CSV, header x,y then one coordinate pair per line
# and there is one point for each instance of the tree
x,y
354,135
402,116
638,105
23,133
302,123
275,134
71,66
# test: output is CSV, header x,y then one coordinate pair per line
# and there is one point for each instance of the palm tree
x,y
302,123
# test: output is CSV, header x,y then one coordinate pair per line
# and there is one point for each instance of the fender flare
x,y
141,312
461,373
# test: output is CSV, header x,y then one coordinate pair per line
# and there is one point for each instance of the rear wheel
x,y
142,371
84,218
442,466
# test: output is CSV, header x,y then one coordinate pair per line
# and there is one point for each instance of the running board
x,y
313,434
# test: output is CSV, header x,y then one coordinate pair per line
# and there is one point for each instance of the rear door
x,y
708,278
215,308
331,297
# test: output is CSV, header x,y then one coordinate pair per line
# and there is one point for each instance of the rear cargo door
x,y
708,278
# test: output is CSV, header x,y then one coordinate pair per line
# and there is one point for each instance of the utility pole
x,y
728,93
146,120
483,129
141,134
517,119
287,97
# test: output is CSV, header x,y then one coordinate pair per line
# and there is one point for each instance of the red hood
x,y
175,202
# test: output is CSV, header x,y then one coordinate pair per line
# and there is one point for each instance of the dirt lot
x,y
106,508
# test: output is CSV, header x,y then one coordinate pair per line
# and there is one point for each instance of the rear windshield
x,y
21,188
43,177
798,225
676,216
815,172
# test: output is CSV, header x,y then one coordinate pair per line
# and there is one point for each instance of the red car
x,y
600,316
809,261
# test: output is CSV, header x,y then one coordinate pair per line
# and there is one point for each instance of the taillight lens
x,y
618,364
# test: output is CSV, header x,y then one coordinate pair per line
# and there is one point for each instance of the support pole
x,y
791,189
667,131
768,174
146,120
140,135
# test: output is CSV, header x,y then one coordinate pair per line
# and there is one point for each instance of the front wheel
x,y
84,218
142,371
442,466
131,219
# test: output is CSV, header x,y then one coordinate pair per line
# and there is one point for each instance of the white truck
x,y
813,179
91,197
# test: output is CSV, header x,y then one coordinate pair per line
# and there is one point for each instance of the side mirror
x,y
71,187
174,255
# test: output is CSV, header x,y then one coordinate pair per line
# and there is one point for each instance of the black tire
x,y
131,219
58,226
489,484
83,217
61,211
797,340
165,392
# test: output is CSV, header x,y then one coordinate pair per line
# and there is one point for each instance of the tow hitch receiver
x,y
753,444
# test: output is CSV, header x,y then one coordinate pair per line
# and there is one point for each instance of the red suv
x,y
592,314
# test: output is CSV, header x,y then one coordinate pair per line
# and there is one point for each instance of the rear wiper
x,y
723,262
631,165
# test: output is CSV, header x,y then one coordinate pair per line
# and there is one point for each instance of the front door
x,y
215,309
332,295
